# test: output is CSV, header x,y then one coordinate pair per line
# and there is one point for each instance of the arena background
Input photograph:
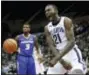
x,y
15,13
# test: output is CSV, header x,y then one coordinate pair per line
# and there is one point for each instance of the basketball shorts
x,y
25,65
75,58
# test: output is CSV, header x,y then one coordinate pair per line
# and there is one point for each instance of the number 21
x,y
57,38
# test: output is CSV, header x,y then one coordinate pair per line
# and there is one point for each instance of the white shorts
x,y
39,67
75,58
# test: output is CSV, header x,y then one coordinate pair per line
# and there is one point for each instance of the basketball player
x,y
60,38
25,60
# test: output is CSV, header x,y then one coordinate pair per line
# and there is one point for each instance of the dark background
x,y
15,13
24,9
21,11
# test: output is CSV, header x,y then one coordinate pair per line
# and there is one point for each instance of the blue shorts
x,y
25,65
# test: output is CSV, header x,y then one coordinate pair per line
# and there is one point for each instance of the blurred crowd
x,y
82,36
81,29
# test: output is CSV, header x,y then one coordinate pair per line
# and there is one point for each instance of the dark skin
x,y
26,31
52,15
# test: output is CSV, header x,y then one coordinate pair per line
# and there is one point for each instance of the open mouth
x,y
48,16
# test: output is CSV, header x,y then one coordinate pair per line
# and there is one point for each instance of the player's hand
x,y
52,62
40,59
66,64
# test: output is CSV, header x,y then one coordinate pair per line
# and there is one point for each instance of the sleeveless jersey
x,y
58,34
26,45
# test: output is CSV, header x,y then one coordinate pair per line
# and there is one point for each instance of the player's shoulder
x,y
20,35
33,36
17,37
67,19
67,22
49,24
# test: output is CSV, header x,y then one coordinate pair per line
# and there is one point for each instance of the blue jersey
x,y
26,44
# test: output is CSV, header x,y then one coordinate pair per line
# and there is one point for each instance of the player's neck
x,y
56,20
26,34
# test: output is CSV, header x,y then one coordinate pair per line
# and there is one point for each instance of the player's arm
x,y
70,37
37,45
17,38
37,50
49,40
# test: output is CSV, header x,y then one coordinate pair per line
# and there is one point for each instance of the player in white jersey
x,y
60,38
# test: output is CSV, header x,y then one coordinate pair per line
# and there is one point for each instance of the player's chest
x,y
25,41
57,29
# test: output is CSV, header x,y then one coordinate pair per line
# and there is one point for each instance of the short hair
x,y
27,24
54,6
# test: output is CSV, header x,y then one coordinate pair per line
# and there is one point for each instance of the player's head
x,y
26,28
51,11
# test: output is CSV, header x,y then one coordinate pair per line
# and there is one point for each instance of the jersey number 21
x,y
57,38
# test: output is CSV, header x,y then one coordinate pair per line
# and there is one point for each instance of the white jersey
x,y
58,34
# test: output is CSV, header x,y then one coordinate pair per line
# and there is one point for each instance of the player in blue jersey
x,y
26,43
